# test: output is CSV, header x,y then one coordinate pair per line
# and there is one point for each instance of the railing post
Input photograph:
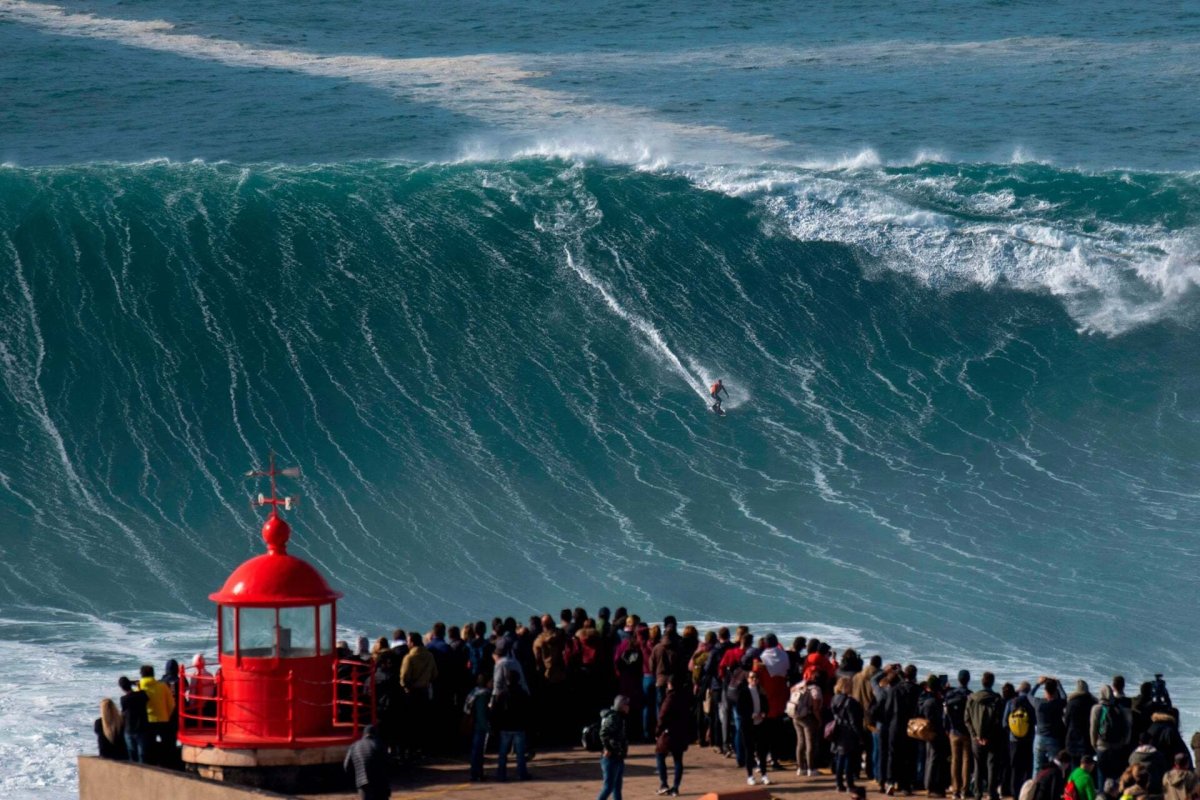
x,y
219,681
291,717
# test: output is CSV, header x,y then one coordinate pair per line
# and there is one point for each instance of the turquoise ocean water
x,y
472,267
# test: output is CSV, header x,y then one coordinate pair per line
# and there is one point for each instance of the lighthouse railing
x,y
348,694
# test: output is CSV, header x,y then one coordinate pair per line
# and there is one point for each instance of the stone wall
x,y
105,779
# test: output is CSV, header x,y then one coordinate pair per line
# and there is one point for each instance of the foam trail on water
x,y
489,87
648,331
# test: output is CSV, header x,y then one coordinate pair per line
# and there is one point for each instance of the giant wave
x,y
963,395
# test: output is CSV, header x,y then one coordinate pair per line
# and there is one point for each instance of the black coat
x,y
114,750
848,714
745,705
895,706
1078,716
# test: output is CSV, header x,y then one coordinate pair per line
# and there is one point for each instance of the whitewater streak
x,y
651,334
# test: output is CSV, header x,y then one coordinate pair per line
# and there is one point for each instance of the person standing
x,y
366,762
847,716
1109,731
955,706
937,752
864,692
160,706
417,674
1078,719
134,725
984,719
751,709
614,743
1050,733
110,734
510,711
674,734
1020,721
476,707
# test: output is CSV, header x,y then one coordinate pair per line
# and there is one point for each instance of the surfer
x,y
715,394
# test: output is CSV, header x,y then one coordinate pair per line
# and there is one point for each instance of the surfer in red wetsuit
x,y
715,394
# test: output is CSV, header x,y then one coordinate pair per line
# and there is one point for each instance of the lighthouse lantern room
x,y
281,685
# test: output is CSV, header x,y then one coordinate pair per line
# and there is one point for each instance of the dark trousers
x,y
1020,759
987,769
755,744
845,768
901,753
937,765
661,763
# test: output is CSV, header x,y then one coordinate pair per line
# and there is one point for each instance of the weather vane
x,y
274,500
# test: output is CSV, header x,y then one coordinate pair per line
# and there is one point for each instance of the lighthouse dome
x,y
275,578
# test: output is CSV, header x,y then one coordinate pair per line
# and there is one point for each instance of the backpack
x,y
737,676
591,738
1071,792
808,703
991,719
1110,728
632,657
1028,790
956,709
796,697
1019,719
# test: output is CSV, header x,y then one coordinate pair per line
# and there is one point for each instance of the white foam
x,y
489,87
1111,277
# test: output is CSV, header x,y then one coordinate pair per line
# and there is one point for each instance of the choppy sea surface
x,y
472,268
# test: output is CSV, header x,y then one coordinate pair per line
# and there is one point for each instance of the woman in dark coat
x,y
847,734
674,735
752,721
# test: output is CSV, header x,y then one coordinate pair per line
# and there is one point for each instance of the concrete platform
x,y
576,774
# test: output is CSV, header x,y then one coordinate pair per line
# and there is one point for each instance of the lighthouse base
x,y
311,769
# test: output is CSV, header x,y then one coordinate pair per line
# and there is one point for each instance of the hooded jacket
x,y
1180,784
1108,704
863,690
985,716
612,734
1148,756
160,703
1165,733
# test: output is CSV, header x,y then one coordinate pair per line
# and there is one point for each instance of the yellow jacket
x,y
160,701
418,669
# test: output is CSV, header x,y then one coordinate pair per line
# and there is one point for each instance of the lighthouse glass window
x,y
297,632
256,632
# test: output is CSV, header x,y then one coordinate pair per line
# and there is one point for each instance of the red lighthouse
x,y
279,708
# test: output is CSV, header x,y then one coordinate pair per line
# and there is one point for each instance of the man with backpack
x,y
1019,720
960,738
1111,725
984,718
